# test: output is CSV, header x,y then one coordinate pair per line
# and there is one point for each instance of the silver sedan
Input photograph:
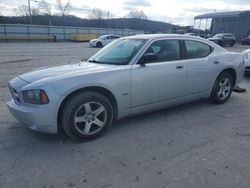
x,y
131,75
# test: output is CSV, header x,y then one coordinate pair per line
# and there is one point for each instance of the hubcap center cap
x,y
90,117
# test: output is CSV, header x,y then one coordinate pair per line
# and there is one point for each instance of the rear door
x,y
200,66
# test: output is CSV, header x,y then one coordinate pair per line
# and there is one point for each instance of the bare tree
x,y
63,8
35,11
97,13
23,10
45,7
137,14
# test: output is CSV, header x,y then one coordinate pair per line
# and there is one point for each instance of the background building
x,y
236,22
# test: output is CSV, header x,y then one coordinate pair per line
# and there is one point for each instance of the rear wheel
x,y
222,89
86,115
232,43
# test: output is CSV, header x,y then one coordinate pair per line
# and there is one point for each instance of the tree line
x,y
42,15
65,8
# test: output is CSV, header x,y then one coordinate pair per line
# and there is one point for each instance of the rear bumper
x,y
35,118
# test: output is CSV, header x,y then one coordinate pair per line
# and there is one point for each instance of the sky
x,y
179,12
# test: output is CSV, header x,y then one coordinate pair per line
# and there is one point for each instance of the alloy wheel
x,y
224,88
90,118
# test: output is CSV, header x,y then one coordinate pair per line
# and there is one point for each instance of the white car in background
x,y
103,40
246,55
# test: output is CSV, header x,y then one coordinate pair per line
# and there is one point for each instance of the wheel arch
x,y
104,91
99,42
232,72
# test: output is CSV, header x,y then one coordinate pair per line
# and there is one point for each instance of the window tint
x,y
165,50
120,52
195,49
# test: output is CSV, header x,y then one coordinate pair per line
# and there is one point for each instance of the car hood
x,y
93,40
214,38
64,71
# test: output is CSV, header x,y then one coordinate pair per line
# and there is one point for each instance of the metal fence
x,y
62,33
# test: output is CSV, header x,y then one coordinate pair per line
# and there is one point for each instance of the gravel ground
x,y
192,145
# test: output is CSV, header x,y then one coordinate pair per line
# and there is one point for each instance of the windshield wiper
x,y
94,61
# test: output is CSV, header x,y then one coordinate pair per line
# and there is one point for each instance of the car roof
x,y
109,35
224,34
175,36
159,36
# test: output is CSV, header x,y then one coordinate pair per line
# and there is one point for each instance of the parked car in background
x,y
198,35
103,40
191,34
130,76
246,56
246,41
223,39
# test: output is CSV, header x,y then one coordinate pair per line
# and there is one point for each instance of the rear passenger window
x,y
195,49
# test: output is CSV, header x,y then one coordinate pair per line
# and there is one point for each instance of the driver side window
x,y
165,50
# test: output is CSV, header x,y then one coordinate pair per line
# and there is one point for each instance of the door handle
x,y
179,66
216,62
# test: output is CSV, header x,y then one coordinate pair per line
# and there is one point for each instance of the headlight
x,y
245,55
35,96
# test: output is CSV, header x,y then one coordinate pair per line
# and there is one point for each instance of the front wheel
x,y
86,115
222,89
99,44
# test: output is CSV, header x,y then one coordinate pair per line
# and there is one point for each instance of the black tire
x,y
215,97
220,43
99,44
71,108
232,43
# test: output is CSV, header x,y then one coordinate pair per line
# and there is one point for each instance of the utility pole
x,y
30,12
108,23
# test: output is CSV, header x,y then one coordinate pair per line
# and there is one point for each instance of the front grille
x,y
14,95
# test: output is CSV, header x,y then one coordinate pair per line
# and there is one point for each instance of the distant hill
x,y
147,26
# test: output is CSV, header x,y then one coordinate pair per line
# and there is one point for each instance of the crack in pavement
x,y
9,169
15,61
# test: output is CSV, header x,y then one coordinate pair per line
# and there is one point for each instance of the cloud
x,y
137,3
175,11
7,10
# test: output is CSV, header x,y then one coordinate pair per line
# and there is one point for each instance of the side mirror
x,y
149,57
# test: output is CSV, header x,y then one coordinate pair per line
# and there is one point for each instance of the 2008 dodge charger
x,y
131,75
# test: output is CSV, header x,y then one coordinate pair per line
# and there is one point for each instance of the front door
x,y
162,79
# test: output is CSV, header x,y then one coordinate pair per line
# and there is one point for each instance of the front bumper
x,y
36,118
42,118
93,44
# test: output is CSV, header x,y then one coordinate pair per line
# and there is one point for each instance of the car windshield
x,y
119,52
103,36
219,35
